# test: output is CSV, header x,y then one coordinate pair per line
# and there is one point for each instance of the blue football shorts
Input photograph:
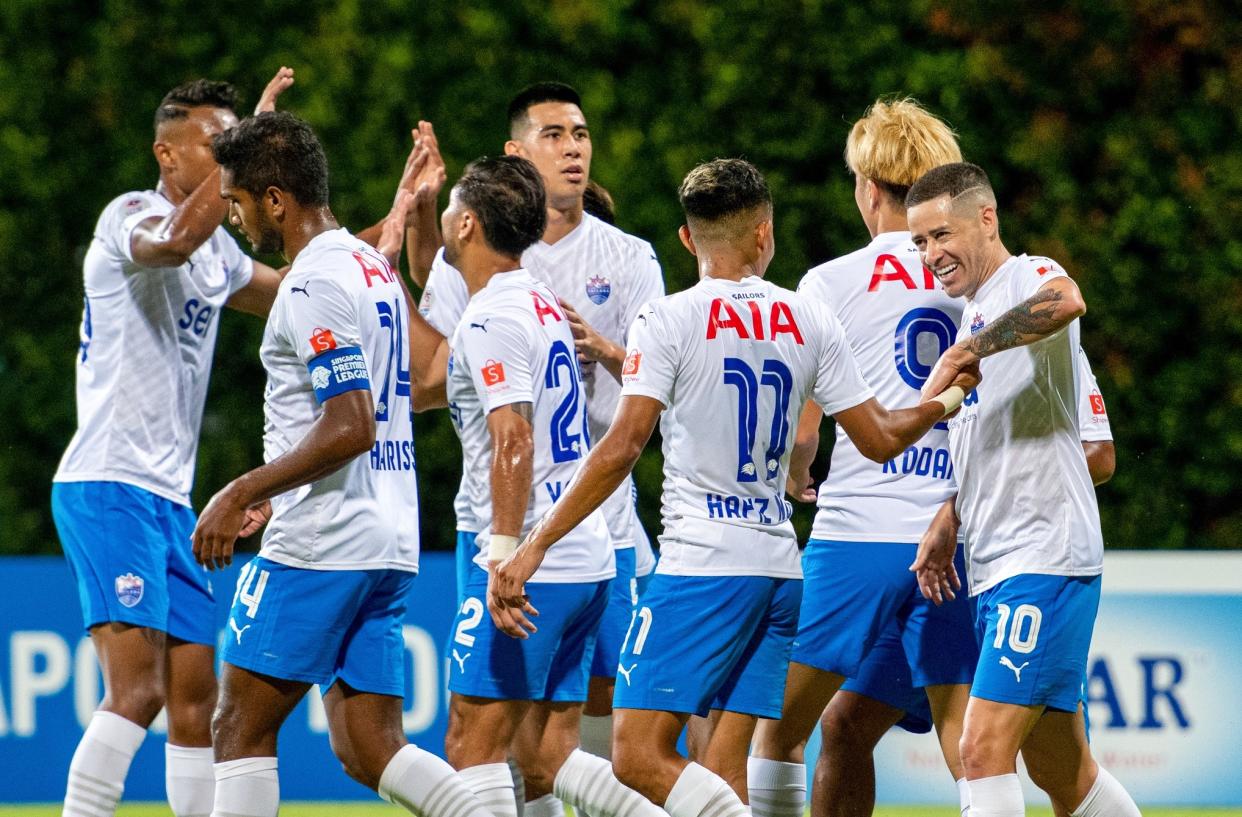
x,y
551,665
129,551
885,676
698,643
467,549
320,626
627,588
854,590
1034,632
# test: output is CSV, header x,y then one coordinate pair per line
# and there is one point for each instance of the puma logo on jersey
x,y
482,326
301,289
1017,671
461,660
626,672
237,632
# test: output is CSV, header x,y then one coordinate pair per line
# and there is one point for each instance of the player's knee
x,y
843,733
138,700
980,753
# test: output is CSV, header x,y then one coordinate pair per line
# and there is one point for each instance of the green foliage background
x,y
1110,128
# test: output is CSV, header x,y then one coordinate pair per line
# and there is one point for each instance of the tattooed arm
x,y
1045,313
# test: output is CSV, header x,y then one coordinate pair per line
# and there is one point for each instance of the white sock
x,y
189,779
493,785
100,763
595,733
699,793
426,785
519,786
999,796
547,806
1107,798
963,796
776,788
586,782
247,787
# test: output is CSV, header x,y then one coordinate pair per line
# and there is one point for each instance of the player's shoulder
x,y
1039,264
130,204
608,239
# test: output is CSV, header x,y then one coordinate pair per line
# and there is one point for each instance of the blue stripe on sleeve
x,y
338,371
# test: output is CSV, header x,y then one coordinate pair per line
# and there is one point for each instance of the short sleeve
x,y
839,383
320,321
812,286
646,286
501,360
1034,273
238,265
444,297
1093,425
651,358
134,209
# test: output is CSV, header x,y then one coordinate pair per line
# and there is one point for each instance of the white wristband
x,y
500,547
950,398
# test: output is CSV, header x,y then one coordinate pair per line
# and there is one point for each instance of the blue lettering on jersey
x,y
393,455
87,329
754,509
923,462
554,489
196,317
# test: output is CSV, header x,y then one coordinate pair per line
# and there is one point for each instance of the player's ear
x,y
164,155
989,221
514,148
687,240
765,237
874,196
274,200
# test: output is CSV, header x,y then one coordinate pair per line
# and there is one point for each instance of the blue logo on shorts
x,y
129,589
598,288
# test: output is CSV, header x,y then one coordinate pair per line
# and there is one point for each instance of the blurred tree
x,y
1110,130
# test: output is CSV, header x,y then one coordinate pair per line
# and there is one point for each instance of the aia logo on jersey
x,y
321,340
493,373
976,323
129,589
1097,404
598,288
632,361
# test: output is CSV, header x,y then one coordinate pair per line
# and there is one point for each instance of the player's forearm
x,y
330,444
902,429
372,234
612,358
806,439
1043,314
181,232
605,468
422,242
511,480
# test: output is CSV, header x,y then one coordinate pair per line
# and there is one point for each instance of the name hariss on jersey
x,y
144,360
898,321
339,324
513,345
1025,496
733,363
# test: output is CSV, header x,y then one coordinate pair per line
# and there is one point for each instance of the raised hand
x,y
424,173
392,236
277,86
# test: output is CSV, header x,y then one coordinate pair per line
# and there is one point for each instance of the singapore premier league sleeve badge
x,y
129,589
598,288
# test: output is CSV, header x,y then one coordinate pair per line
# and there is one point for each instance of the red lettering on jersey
x,y
783,322
716,321
321,340
542,307
493,372
370,270
878,275
756,321
929,278
1097,404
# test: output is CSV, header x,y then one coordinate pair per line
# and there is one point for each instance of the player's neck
x,y
890,221
170,192
561,222
478,271
995,260
727,267
301,227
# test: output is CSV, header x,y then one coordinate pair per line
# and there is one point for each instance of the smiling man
x,y
1025,499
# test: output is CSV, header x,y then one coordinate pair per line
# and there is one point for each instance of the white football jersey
x,y
1093,425
443,301
606,275
733,363
1025,496
144,359
513,345
898,321
339,323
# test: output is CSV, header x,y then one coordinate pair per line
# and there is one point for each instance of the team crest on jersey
x,y
598,288
424,305
133,205
129,589
976,323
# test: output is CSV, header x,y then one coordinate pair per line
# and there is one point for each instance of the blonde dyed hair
x,y
896,142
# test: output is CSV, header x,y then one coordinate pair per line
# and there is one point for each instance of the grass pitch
x,y
356,809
